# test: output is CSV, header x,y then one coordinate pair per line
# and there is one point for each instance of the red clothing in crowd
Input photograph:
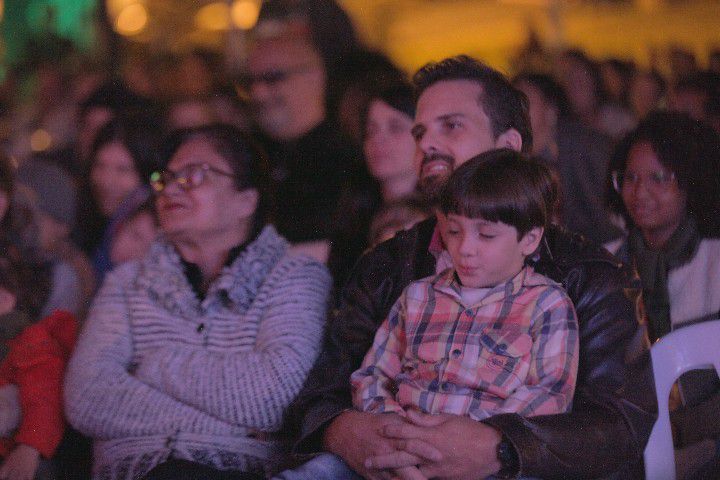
x,y
36,365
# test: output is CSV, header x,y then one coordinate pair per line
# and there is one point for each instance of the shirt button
x,y
200,328
456,353
468,312
444,386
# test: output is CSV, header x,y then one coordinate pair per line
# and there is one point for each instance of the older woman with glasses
x,y
190,356
665,183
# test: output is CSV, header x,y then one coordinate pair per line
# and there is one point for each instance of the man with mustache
x,y
465,108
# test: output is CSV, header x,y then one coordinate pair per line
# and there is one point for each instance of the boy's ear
x,y
530,241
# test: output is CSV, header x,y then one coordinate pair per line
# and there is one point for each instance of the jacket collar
x,y
162,276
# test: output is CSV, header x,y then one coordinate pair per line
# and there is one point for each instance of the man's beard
x,y
432,185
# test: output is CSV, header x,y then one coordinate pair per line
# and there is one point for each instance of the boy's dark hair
x,y
505,106
500,186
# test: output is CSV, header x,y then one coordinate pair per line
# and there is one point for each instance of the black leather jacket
x,y
614,407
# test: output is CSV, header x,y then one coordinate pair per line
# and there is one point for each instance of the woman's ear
x,y
530,241
247,202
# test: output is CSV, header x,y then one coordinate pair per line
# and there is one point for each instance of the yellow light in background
x,y
40,140
245,13
2,9
214,16
131,20
114,7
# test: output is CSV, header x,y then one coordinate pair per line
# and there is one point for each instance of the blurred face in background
x,y
113,176
651,193
389,146
287,87
132,240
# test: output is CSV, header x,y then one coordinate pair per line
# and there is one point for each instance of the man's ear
x,y
530,241
511,139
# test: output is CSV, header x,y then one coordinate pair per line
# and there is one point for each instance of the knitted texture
x,y
159,374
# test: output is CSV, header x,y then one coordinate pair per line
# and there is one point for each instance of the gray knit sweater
x,y
157,374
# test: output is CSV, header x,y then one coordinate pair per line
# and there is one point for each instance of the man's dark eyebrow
x,y
419,129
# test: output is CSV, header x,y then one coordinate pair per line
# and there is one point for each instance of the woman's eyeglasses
x,y
656,181
187,178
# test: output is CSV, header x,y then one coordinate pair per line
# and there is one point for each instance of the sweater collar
x,y
162,275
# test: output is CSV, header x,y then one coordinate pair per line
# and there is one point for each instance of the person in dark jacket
x,y
465,108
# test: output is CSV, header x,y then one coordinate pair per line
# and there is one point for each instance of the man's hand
x,y
468,448
356,436
20,464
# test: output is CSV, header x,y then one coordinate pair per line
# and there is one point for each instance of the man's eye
x,y
486,236
453,232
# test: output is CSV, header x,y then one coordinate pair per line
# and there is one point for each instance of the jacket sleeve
x,y
350,335
253,389
102,398
614,407
373,383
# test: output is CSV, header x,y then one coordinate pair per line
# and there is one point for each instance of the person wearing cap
x,y
50,193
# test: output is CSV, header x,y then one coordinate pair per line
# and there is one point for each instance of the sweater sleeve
x,y
102,398
254,388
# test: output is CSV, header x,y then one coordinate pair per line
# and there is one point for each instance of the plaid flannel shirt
x,y
514,351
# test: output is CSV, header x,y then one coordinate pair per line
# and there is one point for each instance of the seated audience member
x,y
389,151
121,162
18,242
487,335
134,235
32,362
190,356
667,188
396,216
578,154
310,159
647,93
465,108
54,200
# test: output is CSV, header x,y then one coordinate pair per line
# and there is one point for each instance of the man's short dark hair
x,y
500,186
505,106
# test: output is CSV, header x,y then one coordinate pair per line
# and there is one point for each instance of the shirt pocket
x,y
496,360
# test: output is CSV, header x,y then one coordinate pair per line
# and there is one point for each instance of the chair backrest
x,y
689,348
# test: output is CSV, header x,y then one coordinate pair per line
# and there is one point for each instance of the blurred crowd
x,y
81,140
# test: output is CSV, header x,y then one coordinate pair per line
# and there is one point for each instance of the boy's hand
x,y
7,301
21,464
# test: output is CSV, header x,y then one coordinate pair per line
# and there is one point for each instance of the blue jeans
x,y
325,466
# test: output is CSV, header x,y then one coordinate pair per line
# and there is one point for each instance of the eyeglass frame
x,y
617,180
176,176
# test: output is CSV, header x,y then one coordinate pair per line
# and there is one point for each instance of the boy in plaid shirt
x,y
485,335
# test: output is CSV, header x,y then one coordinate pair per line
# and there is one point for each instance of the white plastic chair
x,y
688,348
